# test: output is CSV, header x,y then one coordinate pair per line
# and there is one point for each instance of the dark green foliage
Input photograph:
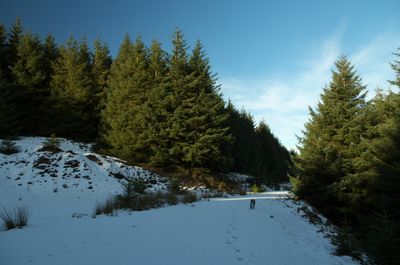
x,y
101,71
164,112
330,139
272,159
242,128
175,186
14,40
3,49
348,165
72,93
146,106
51,144
135,185
199,120
9,117
123,116
255,150
30,87
159,107
379,237
8,147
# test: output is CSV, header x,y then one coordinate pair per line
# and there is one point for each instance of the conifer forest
x,y
146,106
165,110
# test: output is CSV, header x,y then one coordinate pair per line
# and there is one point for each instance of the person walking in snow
x,y
252,204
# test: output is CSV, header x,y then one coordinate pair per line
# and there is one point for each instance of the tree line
x,y
146,106
348,164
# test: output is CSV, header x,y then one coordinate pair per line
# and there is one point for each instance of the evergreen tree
x,y
9,116
396,67
3,48
14,39
72,93
376,180
123,115
242,128
101,71
330,140
9,125
202,117
272,161
179,77
158,107
50,50
30,81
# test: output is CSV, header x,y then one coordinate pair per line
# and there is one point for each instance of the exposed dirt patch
x,y
71,152
311,216
94,159
71,164
118,175
42,162
52,149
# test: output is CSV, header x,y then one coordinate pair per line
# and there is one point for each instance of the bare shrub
x,y
16,217
106,207
8,147
189,197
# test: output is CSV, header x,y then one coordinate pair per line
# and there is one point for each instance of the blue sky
x,y
272,57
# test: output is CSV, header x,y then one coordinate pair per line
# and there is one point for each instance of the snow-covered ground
x,y
61,229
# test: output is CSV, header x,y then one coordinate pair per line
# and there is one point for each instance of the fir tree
x,y
9,124
50,50
209,135
72,93
10,96
101,71
242,128
158,107
178,76
14,39
272,159
123,115
330,137
396,67
30,80
3,49
376,179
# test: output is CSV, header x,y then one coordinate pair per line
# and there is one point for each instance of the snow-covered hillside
x,y
73,170
61,229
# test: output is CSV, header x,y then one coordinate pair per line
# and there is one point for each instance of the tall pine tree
x,y
202,110
29,77
123,116
101,70
72,93
14,39
330,137
9,124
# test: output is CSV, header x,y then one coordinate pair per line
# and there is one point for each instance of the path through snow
x,y
219,231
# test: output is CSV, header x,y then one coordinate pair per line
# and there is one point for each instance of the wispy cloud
x,y
372,61
283,102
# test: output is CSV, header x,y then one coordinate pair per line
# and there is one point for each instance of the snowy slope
x,y
74,171
61,229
